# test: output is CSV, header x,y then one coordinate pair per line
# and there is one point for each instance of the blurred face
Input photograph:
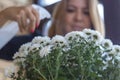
x,y
77,15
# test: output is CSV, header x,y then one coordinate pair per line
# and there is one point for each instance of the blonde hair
x,y
57,18
58,15
95,17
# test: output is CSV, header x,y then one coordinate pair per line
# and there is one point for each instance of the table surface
x,y
3,65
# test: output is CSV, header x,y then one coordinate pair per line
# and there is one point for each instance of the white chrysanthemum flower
x,y
75,36
25,47
41,40
19,60
107,44
107,58
105,67
70,36
118,58
23,54
59,41
116,48
9,71
93,35
88,32
116,51
16,55
20,54
97,37
45,51
19,57
23,51
34,47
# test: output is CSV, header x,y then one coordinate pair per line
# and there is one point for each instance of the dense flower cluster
x,y
79,55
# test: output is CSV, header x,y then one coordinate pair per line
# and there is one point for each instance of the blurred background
x,y
108,9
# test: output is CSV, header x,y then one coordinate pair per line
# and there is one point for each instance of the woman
x,y
75,15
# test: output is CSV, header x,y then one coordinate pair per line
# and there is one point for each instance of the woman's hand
x,y
26,16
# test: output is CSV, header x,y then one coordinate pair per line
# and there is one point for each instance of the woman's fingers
x,y
19,22
35,12
23,20
32,20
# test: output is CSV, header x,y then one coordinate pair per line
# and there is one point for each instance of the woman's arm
x,y
2,18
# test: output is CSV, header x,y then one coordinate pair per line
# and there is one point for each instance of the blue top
x,y
8,51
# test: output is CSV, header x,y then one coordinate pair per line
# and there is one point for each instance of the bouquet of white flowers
x,y
79,55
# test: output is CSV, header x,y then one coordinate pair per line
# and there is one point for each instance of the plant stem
x,y
71,74
58,65
49,66
40,73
